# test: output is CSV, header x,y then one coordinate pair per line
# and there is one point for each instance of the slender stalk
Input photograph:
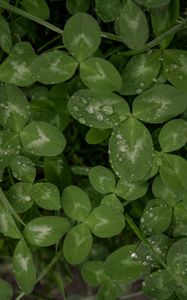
x,y
56,38
130,296
79,170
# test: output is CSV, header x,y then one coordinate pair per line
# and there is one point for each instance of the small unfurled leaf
x,y
93,273
9,147
102,180
76,203
177,258
74,6
98,110
82,36
16,69
96,136
133,26
159,285
159,104
43,139
23,168
46,195
20,196
38,8
77,244
112,200
173,172
105,222
60,67
14,108
175,63
46,231
130,191
121,265
6,291
173,135
100,75
5,35
108,10
7,225
131,150
140,72
24,269
156,217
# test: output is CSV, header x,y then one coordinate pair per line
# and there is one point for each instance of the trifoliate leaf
x,y
107,10
6,291
76,203
38,8
7,225
102,180
43,139
16,69
131,150
121,266
130,191
24,269
105,222
159,104
5,35
93,273
75,6
77,244
140,72
59,64
112,200
23,168
133,26
98,110
82,36
46,231
100,75
20,196
14,108
46,195
173,135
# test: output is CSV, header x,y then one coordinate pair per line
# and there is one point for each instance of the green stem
x,y
82,171
130,296
140,235
59,281
56,38
156,41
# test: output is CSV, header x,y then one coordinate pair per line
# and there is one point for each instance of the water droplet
x,y
108,110
82,120
139,91
90,109
99,117
76,108
181,77
142,84
83,100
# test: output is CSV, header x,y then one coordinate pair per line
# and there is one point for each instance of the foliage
x,y
93,135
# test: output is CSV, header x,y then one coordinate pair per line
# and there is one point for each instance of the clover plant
x,y
93,140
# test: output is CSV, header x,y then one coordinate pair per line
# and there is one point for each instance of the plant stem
x,y
78,170
130,296
56,38
59,281
140,235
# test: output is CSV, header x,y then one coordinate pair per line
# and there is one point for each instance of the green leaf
x,y
173,172
9,147
23,168
155,166
42,139
76,203
180,218
46,231
108,290
159,104
121,266
108,10
133,26
5,35
131,150
23,267
175,63
59,64
153,3
14,108
140,72
102,180
93,273
46,195
77,244
16,69
105,222
100,75
130,191
76,6
156,217
6,291
96,136
159,285
20,196
177,258
173,135
98,110
38,8
7,225
112,200
82,36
